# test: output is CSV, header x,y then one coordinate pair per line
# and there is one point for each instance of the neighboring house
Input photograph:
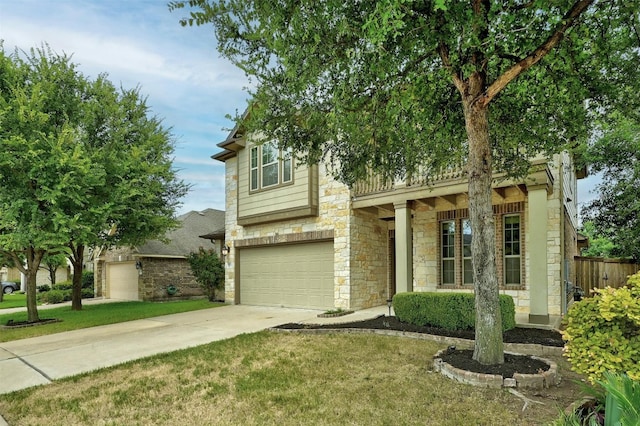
x,y
299,238
63,273
159,270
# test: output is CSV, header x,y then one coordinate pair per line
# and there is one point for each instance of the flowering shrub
x,y
603,332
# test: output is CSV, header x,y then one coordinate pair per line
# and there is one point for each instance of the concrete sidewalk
x,y
39,360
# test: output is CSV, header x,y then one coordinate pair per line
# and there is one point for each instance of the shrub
x,y
87,293
87,280
452,311
603,332
54,296
208,270
43,288
63,285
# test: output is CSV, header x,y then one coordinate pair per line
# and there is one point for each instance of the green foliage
x,y
208,270
622,404
411,88
54,296
599,245
64,285
87,279
452,311
615,212
43,288
602,332
82,163
62,293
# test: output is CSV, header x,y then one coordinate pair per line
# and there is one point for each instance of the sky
x,y
140,43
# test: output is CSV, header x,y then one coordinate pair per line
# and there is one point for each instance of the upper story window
x,y
269,166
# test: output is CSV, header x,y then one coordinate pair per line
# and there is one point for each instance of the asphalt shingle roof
x,y
186,238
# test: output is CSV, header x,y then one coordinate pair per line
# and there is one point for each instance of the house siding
x,y
297,197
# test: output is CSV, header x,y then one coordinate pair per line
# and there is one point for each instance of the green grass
x,y
272,378
14,300
97,314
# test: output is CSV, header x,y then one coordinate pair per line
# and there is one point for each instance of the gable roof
x,y
186,238
234,141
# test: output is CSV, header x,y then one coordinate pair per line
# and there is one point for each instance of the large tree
x,y
81,163
408,87
141,188
615,212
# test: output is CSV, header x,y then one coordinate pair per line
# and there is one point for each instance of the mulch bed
x,y
523,364
516,335
22,324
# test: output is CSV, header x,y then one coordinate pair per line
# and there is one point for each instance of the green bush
x,y
87,279
43,288
63,285
603,332
452,311
208,271
87,293
54,296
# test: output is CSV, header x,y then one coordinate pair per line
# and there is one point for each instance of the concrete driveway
x,y
39,360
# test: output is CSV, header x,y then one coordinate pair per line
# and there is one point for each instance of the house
x,y
298,238
43,276
159,270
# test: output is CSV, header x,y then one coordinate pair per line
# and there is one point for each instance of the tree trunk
x,y
489,348
77,260
34,257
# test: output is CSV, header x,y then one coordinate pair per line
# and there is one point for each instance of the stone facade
x,y
363,236
159,274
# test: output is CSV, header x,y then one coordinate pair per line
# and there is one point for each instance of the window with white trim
x,y
447,239
467,264
269,166
511,239
455,240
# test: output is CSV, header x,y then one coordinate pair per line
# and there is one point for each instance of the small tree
x,y
208,270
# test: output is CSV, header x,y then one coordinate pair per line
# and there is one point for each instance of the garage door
x,y
122,280
296,276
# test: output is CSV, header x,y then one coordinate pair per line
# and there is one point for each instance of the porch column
x,y
404,249
538,271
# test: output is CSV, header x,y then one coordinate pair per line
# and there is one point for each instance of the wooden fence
x,y
599,272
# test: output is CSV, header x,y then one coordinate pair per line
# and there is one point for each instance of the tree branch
x,y
443,51
569,19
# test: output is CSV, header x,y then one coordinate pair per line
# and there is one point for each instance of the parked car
x,y
9,287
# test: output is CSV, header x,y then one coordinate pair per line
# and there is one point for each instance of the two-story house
x,y
298,238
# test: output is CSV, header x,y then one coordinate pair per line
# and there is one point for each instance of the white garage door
x,y
122,280
296,276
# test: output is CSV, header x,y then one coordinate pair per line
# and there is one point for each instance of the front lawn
x,y
97,314
13,300
270,378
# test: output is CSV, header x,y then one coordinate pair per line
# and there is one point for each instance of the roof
x,y
186,238
233,143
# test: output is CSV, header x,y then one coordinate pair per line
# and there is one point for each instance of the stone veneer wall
x,y
555,249
160,273
369,260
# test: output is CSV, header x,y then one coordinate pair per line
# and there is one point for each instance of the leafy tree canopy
x,y
615,213
599,246
413,87
380,84
81,163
